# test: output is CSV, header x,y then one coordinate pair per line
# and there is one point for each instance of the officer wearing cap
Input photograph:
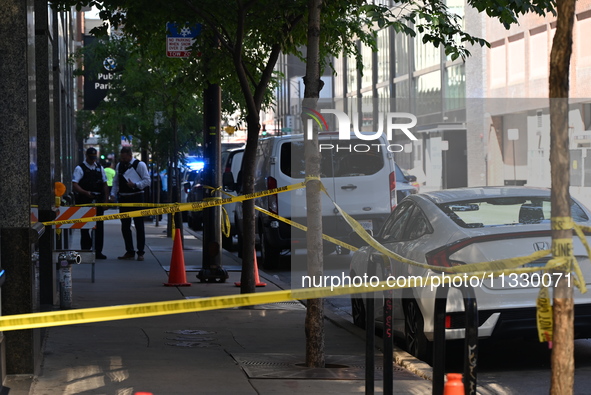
x,y
128,187
90,186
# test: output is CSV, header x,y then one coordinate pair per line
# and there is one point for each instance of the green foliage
x,y
152,98
507,11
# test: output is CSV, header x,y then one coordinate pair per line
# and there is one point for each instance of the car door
x,y
405,233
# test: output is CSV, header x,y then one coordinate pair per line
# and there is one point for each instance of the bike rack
x,y
470,339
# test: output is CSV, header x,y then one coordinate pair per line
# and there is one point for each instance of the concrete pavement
x,y
250,350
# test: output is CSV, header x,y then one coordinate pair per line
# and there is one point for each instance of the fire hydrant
x,y
64,261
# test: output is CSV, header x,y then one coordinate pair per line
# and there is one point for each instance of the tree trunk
x,y
247,284
315,308
563,342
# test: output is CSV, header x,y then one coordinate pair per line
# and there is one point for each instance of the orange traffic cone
x,y
257,280
177,276
454,384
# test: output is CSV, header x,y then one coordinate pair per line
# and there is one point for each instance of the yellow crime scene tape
x,y
561,249
177,207
139,310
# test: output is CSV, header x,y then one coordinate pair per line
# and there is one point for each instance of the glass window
x,y
383,55
417,225
516,62
338,162
339,86
384,99
428,93
394,226
538,55
498,65
455,94
401,51
505,211
402,96
351,74
367,106
426,55
367,72
583,48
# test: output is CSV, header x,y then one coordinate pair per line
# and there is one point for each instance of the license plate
x,y
367,224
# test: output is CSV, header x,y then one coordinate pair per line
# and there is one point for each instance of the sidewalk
x,y
251,350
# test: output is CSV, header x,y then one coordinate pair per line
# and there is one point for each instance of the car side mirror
x,y
356,240
411,178
228,181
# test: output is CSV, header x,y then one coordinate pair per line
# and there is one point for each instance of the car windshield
x,y
504,211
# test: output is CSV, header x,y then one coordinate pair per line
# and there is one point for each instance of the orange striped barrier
x,y
66,213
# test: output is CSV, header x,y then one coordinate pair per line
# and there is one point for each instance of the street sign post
x,y
180,38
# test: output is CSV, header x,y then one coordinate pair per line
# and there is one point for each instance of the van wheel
x,y
414,335
270,254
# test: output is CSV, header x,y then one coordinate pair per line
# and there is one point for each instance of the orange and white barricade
x,y
75,213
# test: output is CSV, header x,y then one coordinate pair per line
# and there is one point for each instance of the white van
x,y
358,174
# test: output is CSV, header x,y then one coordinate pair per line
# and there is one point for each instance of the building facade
x,y
482,121
37,108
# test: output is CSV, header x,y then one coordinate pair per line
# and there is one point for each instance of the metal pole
x,y
370,330
387,336
470,342
212,269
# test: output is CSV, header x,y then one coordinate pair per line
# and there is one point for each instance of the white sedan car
x,y
470,225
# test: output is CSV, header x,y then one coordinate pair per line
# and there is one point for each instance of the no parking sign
x,y
180,38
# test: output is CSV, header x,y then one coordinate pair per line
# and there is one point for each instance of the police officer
x,y
131,178
90,186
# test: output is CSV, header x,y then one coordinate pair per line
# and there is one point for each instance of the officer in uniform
x,y
131,178
90,186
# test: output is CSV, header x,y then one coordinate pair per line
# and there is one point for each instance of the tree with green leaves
x,y
151,98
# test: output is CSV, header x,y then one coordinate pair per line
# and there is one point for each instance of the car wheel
x,y
414,335
358,311
270,254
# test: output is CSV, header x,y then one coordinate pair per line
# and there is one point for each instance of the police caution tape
x,y
561,249
113,313
169,209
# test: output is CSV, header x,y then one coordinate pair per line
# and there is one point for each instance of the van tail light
x,y
440,256
272,199
392,191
